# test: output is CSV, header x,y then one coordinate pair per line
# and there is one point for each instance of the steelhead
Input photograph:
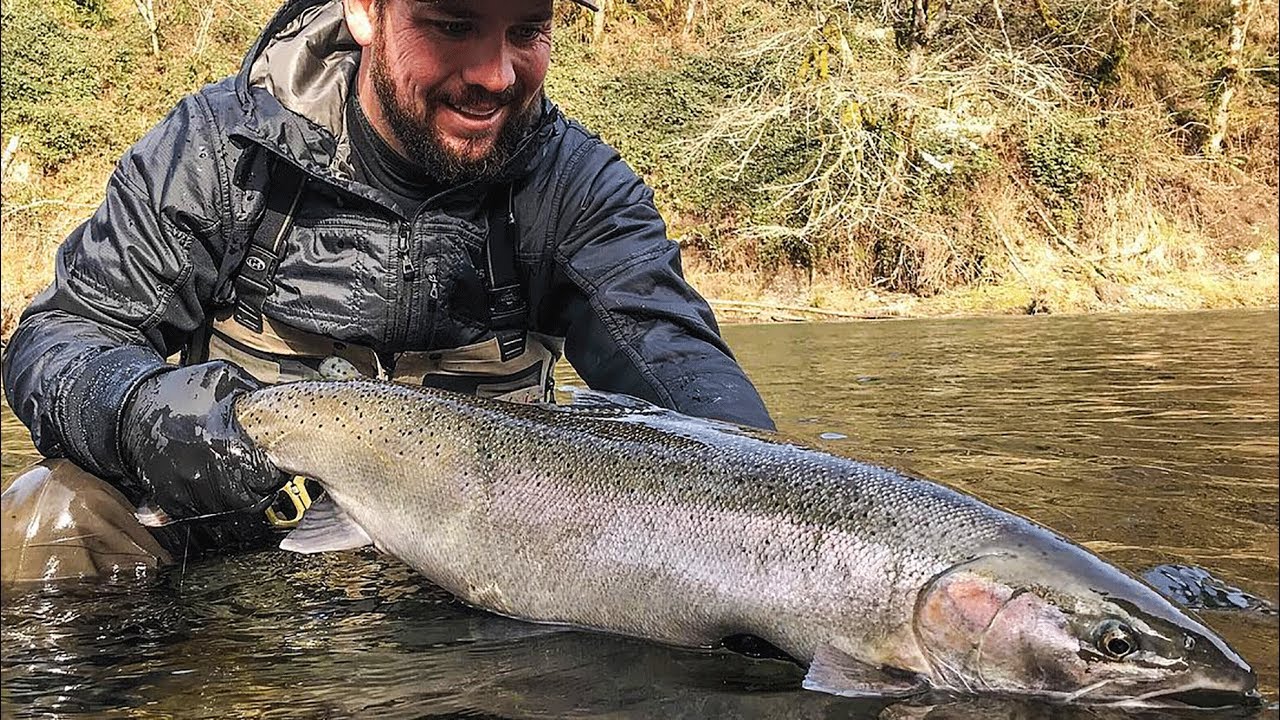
x,y
619,516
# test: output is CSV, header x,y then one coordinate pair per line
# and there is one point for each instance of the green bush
x,y
652,114
1061,156
53,73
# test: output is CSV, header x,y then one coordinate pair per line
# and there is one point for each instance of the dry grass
x,y
35,215
1181,233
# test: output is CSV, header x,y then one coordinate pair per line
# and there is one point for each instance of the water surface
x,y
1150,438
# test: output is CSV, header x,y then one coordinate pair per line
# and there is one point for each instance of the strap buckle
x,y
511,345
294,494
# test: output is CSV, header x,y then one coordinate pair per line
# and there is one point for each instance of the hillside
x,y
813,158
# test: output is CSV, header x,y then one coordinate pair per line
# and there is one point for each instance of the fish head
x,y
1049,619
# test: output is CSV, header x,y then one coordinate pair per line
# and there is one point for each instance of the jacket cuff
x,y
92,406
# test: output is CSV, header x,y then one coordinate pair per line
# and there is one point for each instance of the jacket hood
x,y
294,84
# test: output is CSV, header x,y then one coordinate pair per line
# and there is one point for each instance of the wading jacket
x,y
158,261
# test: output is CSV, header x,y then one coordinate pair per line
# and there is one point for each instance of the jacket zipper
x,y
406,263
433,297
406,297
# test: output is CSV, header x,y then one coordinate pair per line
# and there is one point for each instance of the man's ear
x,y
360,20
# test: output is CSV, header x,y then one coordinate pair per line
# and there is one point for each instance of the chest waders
x,y
515,364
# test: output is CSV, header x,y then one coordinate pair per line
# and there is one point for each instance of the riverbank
x,y
744,297
793,295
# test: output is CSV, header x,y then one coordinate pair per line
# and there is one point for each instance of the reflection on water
x,y
1152,439
1193,587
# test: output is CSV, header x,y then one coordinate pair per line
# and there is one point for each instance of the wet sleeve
x,y
634,325
130,285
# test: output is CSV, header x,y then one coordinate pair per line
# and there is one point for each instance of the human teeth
x,y
476,110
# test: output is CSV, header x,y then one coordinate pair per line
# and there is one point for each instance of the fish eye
x,y
1115,639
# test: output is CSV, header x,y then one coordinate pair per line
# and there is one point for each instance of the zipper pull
x,y
406,263
433,292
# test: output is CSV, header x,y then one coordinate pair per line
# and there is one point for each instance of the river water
x,y
1150,439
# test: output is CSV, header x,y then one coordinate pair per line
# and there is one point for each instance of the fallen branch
x,y
1072,249
14,209
147,9
742,304
9,151
690,14
1013,256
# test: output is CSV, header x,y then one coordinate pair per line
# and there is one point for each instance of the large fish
x,y
620,516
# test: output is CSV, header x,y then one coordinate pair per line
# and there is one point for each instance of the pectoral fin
x,y
325,528
152,516
836,672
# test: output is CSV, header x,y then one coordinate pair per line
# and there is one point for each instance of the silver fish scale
x,y
637,521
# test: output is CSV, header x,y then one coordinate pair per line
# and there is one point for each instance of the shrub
x,y
1060,156
53,73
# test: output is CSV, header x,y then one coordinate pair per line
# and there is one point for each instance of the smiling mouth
x,y
475,113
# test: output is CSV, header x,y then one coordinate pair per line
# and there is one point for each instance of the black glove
x,y
183,448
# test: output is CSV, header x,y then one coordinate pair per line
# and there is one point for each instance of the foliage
x,y
1062,155
860,140
53,71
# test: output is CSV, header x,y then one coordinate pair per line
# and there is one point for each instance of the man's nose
x,y
491,65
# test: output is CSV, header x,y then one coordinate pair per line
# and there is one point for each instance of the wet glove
x,y
182,447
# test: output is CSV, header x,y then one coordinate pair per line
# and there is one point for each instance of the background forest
x,y
813,158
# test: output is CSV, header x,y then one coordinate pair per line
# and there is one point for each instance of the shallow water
x,y
1151,439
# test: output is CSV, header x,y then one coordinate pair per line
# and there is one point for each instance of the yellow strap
x,y
296,491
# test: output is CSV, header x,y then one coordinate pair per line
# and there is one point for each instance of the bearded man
x,y
383,187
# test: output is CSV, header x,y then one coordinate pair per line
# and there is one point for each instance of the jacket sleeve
x,y
130,285
634,325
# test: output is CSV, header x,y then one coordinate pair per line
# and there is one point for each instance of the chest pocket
x,y
471,282
445,294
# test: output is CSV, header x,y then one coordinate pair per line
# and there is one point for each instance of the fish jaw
x,y
1042,617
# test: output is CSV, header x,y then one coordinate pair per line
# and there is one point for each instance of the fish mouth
x,y
1213,698
1197,697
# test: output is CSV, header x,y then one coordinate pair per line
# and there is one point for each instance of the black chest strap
x,y
256,278
508,311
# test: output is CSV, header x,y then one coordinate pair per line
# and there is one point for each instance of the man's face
x,y
459,82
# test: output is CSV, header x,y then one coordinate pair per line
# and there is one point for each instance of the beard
x,y
423,142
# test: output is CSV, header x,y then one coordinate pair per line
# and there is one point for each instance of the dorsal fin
x,y
583,398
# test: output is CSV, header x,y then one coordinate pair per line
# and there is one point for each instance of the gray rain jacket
x,y
157,259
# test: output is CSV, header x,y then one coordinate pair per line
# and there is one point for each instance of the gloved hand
x,y
183,448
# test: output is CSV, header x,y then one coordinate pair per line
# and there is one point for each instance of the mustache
x,y
476,95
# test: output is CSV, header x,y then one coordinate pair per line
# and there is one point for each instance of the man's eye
x,y
452,28
528,33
